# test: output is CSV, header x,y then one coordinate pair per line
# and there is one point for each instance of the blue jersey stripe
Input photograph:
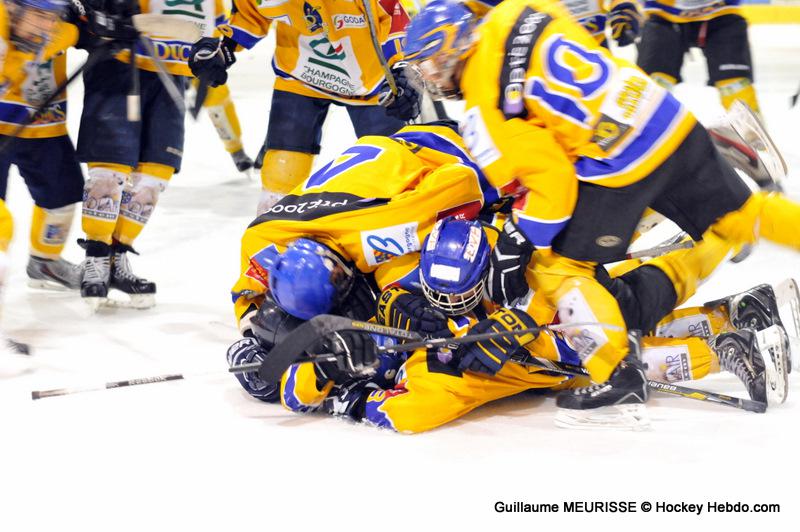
x,y
669,110
540,233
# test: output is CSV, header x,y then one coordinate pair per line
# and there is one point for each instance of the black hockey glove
x,y
510,258
246,351
403,310
489,356
625,20
356,356
210,58
405,105
112,19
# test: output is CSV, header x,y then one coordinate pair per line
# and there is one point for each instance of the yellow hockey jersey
x,y
174,53
546,106
324,48
26,81
375,202
691,10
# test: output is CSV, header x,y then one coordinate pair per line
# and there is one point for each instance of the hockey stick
x,y
663,387
165,77
660,250
41,394
167,26
373,35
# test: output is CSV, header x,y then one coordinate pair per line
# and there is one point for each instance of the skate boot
x,y
756,358
53,273
243,163
141,291
96,272
348,399
616,403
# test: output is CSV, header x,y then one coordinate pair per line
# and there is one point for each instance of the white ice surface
x,y
200,454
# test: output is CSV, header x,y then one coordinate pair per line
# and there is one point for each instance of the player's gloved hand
x,y
247,351
210,58
625,20
489,356
405,104
111,19
403,310
356,356
510,258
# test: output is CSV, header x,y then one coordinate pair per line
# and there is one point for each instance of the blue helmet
x,y
454,262
437,40
309,279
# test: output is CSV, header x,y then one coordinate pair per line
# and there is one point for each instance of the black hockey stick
x,y
663,387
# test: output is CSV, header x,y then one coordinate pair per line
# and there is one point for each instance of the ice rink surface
x,y
201,455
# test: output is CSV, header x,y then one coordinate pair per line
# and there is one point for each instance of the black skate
x,y
243,163
55,274
758,359
96,272
141,291
618,402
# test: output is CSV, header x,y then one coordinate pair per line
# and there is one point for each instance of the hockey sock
x,y
49,230
678,359
102,195
282,171
734,89
139,199
694,321
6,227
222,113
686,268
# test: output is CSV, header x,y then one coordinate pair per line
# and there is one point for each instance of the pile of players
x,y
498,225
503,225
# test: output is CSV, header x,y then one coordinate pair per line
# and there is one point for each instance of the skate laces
x,y
96,269
122,267
738,365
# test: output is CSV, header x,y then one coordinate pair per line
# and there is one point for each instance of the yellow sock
x,y
734,89
102,195
49,230
694,321
6,227
222,113
139,199
678,359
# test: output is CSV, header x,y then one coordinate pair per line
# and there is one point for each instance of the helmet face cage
x,y
341,275
454,304
33,23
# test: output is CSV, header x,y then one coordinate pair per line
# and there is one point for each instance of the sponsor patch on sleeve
x,y
386,243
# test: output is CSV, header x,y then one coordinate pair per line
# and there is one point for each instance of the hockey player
x,y
433,388
717,28
327,52
130,161
33,38
593,142
424,174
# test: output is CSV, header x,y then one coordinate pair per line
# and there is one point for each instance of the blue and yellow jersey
x,y
27,80
324,48
547,107
375,202
691,10
173,53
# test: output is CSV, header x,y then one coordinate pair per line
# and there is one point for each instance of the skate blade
x,y
136,301
773,342
618,417
94,304
51,286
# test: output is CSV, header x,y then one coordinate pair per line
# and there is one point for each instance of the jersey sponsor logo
x,y
316,205
677,368
190,8
519,45
329,65
381,245
312,17
466,211
341,22
477,139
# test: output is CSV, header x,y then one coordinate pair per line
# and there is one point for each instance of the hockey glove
x,y
111,20
356,356
247,351
210,58
403,310
510,258
625,20
489,356
405,104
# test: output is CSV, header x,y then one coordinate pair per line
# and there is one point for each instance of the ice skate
x,y
243,163
616,403
758,359
141,291
54,274
95,273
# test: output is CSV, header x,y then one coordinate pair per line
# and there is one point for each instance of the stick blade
x,y
167,26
